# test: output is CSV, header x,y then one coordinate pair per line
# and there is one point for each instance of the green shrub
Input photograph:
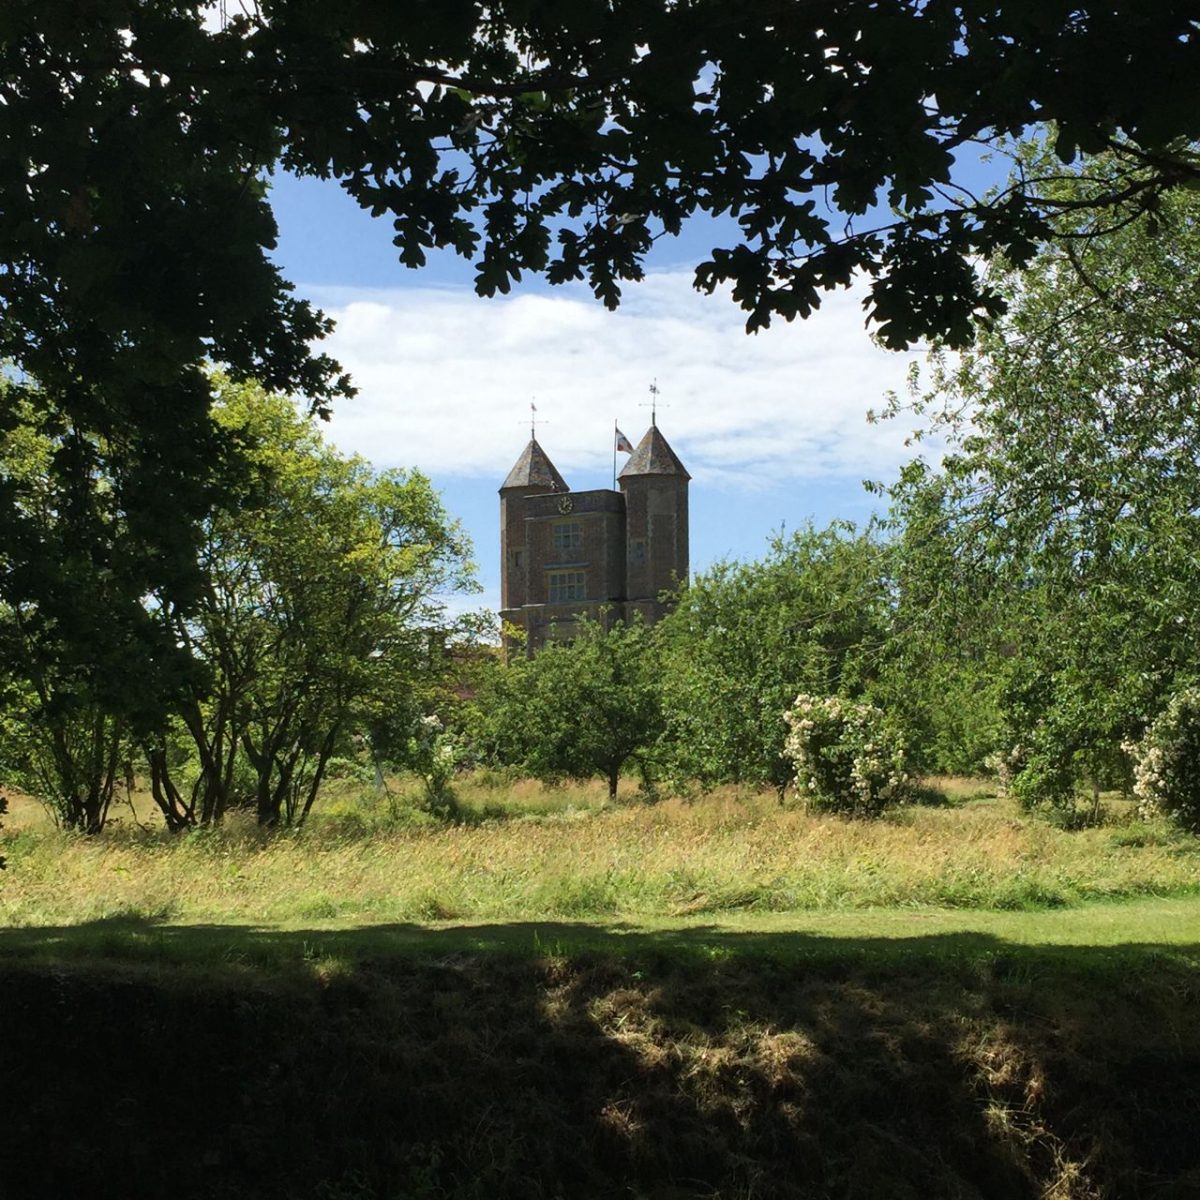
x,y
1044,778
847,757
355,770
1167,762
1059,760
433,758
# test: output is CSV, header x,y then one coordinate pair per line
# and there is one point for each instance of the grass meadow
x,y
715,997
523,852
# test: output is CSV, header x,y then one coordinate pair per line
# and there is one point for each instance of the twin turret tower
x,y
602,553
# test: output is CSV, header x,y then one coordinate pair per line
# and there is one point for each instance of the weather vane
x,y
532,421
653,405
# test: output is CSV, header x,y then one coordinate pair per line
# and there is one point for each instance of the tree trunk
x,y
176,813
103,775
268,804
210,787
319,774
614,774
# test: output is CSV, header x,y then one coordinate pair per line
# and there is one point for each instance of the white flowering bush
x,y
847,757
1166,763
1006,765
433,758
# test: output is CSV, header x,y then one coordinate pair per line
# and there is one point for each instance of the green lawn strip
x,y
1116,931
1154,920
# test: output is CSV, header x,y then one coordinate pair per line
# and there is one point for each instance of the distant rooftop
x,y
534,469
654,456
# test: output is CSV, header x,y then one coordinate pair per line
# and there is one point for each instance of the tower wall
x,y
532,475
514,557
656,538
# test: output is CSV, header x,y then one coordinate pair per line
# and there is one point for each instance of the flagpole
x,y
614,454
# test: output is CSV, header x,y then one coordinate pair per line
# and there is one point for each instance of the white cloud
x,y
445,382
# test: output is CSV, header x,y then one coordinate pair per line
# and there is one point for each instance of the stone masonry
x,y
604,554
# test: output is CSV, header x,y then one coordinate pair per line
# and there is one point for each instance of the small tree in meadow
x,y
1167,762
577,709
848,759
321,613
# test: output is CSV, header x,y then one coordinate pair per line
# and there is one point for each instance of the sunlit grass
x,y
526,852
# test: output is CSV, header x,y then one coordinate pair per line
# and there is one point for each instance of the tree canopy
x,y
321,616
1066,515
746,637
577,708
318,619
560,139
137,138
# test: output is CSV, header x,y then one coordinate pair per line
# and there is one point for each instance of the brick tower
x,y
602,554
655,486
532,475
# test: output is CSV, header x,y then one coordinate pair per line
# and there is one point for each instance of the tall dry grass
x,y
526,852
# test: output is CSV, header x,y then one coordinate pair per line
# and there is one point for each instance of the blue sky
x,y
772,426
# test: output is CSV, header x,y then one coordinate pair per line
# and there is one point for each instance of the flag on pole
x,y
623,443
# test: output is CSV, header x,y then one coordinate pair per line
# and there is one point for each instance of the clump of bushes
x,y
848,757
1166,771
1056,765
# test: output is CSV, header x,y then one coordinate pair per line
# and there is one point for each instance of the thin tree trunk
x,y
177,814
318,775
105,755
210,785
266,802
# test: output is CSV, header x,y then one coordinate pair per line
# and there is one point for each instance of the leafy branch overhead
x,y
564,138
561,139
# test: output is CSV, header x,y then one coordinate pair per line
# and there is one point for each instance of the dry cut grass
x,y
529,853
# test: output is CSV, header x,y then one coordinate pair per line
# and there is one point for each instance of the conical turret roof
x,y
654,456
534,469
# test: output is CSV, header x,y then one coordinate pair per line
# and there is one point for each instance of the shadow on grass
x,y
558,1059
141,938
136,937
